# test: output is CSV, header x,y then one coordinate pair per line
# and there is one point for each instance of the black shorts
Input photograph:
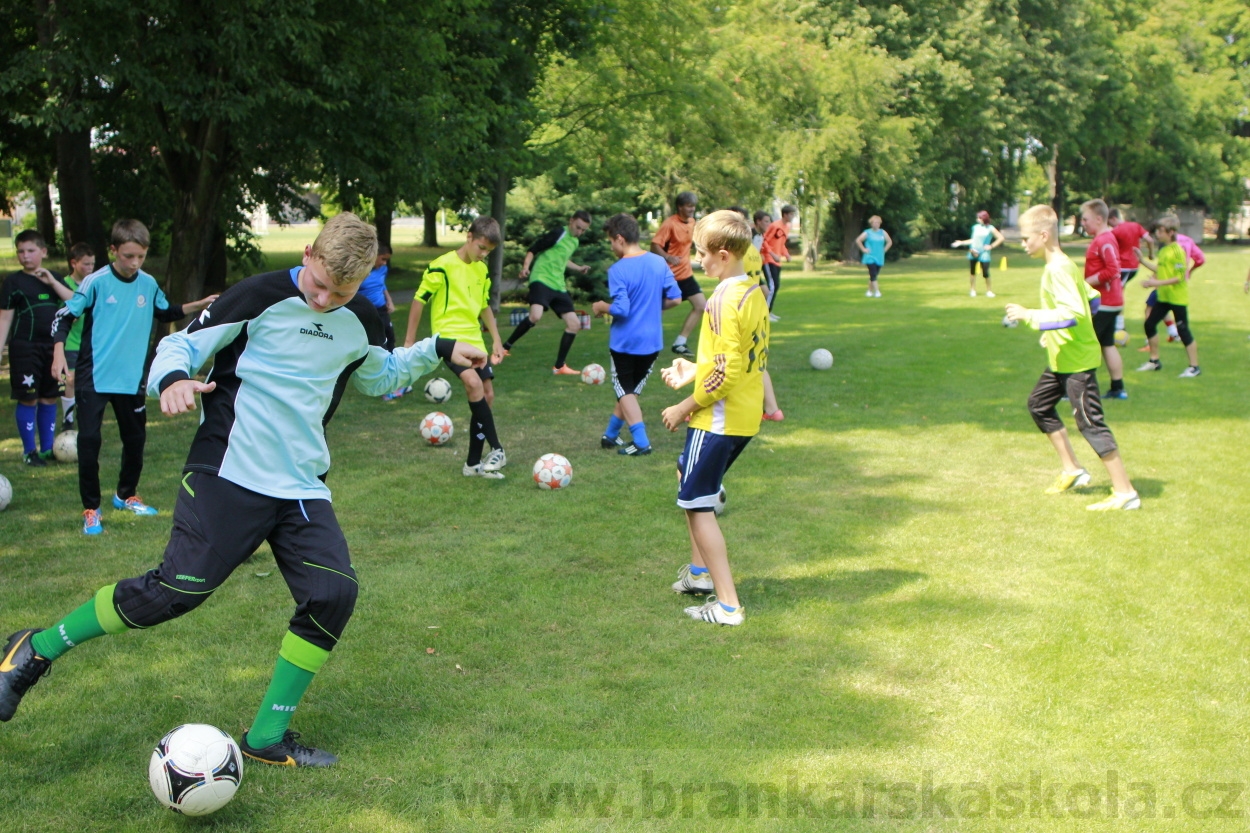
x,y
561,303
30,368
484,373
1082,391
71,360
1127,275
688,286
1104,326
630,372
388,329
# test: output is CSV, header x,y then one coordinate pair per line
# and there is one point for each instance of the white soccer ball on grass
x,y
821,359
438,390
195,769
552,472
65,447
437,428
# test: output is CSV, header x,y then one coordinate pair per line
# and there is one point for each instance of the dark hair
x,y
788,209
582,215
80,250
384,249
740,210
1113,213
760,215
623,225
488,227
686,198
30,236
129,231
983,216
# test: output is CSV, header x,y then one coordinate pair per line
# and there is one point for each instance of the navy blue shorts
x,y
702,466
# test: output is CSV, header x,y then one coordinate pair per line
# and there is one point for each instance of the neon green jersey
x,y
1065,320
549,265
74,340
1172,265
455,293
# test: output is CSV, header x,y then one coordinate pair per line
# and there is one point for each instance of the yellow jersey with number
x,y
733,354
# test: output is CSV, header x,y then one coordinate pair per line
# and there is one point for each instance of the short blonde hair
x,y
1041,217
347,246
1169,222
876,217
723,229
1097,206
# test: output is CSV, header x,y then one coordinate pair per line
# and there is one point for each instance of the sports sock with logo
x,y
94,618
696,570
46,417
67,409
477,437
615,424
26,426
679,341
566,342
484,420
639,432
521,329
298,662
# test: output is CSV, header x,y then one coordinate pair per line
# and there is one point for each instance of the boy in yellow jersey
x,y
724,410
753,263
457,289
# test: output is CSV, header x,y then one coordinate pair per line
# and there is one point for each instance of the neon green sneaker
x,y
1069,480
1116,501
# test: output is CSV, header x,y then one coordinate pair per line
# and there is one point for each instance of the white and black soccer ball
x,y
438,390
6,492
65,447
594,374
437,428
195,769
552,472
1010,322
821,359
721,498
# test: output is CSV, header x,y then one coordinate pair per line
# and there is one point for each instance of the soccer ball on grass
x,y
553,471
65,447
593,374
6,492
438,390
436,428
821,359
195,769
1121,338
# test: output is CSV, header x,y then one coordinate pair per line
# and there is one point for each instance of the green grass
x,y
920,614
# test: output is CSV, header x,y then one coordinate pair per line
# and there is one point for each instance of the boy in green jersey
x,y
456,287
1172,282
81,264
1073,356
544,266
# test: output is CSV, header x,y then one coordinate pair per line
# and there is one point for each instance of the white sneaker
x,y
711,611
1116,502
688,583
989,295
774,318
877,294
495,460
1152,364
479,471
869,294
972,293
1191,372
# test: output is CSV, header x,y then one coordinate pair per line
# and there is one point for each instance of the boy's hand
x,y
59,365
600,308
45,276
585,270
1148,283
179,397
1015,312
675,416
496,354
466,355
525,273
679,374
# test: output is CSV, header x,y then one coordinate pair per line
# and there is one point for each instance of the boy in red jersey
x,y
1102,271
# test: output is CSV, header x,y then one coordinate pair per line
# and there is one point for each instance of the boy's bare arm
x,y
414,320
496,350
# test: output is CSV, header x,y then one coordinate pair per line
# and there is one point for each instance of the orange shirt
x,y
674,237
776,237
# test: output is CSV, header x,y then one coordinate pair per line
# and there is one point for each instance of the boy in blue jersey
x,y
117,305
285,345
642,287
374,289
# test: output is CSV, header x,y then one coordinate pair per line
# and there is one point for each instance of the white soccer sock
x,y
679,341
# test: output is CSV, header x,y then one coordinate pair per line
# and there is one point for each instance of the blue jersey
x,y
117,316
280,370
982,237
374,286
874,242
638,285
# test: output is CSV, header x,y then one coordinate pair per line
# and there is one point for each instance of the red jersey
x,y
1102,258
776,240
1129,235
675,236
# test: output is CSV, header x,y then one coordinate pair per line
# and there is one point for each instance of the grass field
x,y
931,642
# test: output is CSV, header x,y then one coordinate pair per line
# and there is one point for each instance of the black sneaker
x,y
34,460
682,350
287,752
20,669
632,450
607,442
48,456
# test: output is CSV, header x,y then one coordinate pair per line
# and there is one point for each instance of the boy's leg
x,y
572,326
538,303
701,469
630,372
27,415
776,285
690,291
132,420
45,416
90,421
475,393
708,542
1157,313
612,436
1104,330
1181,314
312,555
1082,389
1042,401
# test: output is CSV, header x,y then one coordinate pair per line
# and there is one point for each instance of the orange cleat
x,y
565,370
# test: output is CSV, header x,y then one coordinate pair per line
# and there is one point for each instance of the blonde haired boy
x,y
1074,355
285,345
724,410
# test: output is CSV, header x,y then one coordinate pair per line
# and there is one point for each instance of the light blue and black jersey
x,y
982,238
874,242
117,318
280,371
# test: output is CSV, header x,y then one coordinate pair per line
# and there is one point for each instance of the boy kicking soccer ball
x,y
1074,355
724,410
285,345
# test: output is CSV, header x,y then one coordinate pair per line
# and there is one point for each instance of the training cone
x,y
1003,266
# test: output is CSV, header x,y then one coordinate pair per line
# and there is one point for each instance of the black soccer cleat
x,y
632,450
34,460
607,442
287,752
20,669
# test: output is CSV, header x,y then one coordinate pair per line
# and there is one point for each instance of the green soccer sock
x,y
94,618
298,662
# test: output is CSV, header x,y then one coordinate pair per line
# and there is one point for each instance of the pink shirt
x,y
1191,249
1129,235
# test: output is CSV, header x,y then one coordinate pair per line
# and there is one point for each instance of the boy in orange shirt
x,y
776,248
672,242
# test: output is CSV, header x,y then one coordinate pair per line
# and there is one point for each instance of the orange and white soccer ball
x,y
436,428
552,471
594,374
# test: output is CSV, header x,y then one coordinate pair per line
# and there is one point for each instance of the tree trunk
x,y
852,218
1054,176
218,263
1221,230
498,210
199,178
383,211
429,214
80,202
811,237
45,220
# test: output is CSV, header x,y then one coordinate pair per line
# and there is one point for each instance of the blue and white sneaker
x,y
91,522
133,504
1119,393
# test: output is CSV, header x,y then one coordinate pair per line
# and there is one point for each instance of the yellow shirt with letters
x,y
733,354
